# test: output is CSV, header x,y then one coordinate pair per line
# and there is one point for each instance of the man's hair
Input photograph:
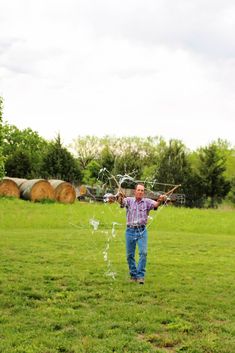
x,y
142,184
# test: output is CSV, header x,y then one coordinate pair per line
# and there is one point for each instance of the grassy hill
x,y
64,284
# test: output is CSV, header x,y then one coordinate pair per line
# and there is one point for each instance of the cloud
x,y
127,68
204,27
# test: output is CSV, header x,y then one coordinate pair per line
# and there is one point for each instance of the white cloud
x,y
126,68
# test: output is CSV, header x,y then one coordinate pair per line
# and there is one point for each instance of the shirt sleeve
x,y
150,204
123,203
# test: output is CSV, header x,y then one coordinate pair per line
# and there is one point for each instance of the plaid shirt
x,y
137,211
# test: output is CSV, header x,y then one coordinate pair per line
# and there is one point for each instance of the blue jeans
x,y
136,236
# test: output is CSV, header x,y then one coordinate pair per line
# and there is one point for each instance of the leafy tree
x,y
27,143
87,149
59,163
211,169
231,194
91,173
1,140
129,163
107,158
229,153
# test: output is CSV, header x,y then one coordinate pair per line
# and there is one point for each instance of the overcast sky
x,y
124,68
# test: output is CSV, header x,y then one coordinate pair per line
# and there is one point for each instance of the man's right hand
x,y
120,196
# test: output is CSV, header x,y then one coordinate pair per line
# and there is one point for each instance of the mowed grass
x,y
56,294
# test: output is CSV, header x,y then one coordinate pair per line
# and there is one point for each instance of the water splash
x,y
94,223
109,183
111,235
108,273
111,274
113,229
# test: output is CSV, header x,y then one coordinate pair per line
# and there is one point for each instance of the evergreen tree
x,y
174,166
58,163
18,164
211,169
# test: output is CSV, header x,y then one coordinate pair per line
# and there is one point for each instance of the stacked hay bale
x,y
9,188
37,190
18,181
64,191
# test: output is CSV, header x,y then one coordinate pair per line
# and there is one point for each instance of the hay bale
x,y
18,181
82,191
37,190
9,188
64,191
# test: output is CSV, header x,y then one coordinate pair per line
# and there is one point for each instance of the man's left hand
x,y
162,198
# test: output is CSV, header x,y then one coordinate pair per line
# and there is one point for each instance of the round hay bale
x,y
9,188
64,191
37,190
18,181
82,190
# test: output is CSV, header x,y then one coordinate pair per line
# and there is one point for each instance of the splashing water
x,y
105,252
111,274
113,229
111,235
126,177
108,273
94,223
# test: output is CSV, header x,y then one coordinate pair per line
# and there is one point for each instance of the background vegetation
x,y
207,175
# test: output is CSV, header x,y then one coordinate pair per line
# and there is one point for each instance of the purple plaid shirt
x,y
137,211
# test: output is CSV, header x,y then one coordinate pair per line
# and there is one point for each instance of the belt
x,y
140,226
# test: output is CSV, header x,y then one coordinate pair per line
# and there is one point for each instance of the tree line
x,y
207,175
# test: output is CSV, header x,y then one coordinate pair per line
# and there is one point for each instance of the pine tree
x,y
211,169
58,163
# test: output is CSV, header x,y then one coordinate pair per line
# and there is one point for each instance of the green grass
x,y
55,295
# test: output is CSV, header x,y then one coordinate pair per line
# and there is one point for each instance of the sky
x,y
120,68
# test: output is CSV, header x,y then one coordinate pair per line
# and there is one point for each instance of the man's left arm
x,y
159,201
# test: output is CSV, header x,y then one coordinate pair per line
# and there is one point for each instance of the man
x,y
137,210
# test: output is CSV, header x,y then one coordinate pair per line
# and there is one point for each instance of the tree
x,y
1,140
18,164
231,194
27,143
129,163
211,169
193,187
107,158
174,166
58,163
86,149
91,173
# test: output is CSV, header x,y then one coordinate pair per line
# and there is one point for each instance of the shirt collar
x,y
138,201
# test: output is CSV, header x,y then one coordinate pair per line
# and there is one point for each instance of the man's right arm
x,y
121,198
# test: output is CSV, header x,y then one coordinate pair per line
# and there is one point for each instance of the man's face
x,y
139,192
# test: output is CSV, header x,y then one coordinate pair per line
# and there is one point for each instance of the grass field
x,y
56,294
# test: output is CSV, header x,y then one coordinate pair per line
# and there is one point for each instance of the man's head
x,y
139,191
